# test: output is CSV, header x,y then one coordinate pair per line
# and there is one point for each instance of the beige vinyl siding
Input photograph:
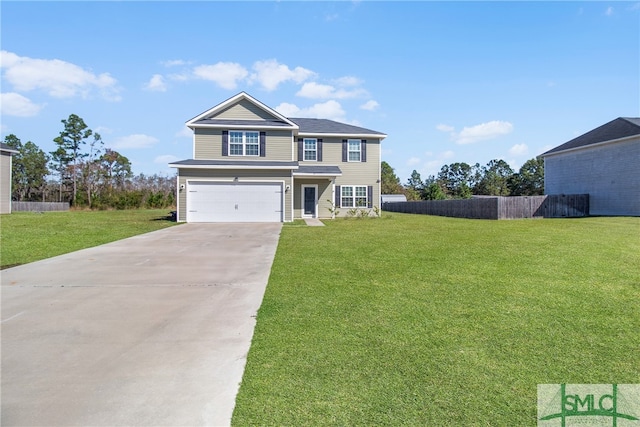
x,y
353,173
228,176
5,183
244,110
325,194
208,146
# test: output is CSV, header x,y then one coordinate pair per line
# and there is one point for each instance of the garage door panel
x,y
237,202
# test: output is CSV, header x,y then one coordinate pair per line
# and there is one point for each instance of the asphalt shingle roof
x,y
7,147
238,163
319,170
321,126
227,122
621,127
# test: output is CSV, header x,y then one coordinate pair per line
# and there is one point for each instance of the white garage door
x,y
239,202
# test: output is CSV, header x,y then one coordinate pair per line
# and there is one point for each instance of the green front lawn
x,y
418,320
29,236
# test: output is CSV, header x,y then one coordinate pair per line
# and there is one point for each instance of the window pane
x,y
252,150
354,150
235,137
346,191
252,137
361,191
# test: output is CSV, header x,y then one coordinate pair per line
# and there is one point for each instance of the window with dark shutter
x,y
369,195
225,143
319,148
263,144
300,149
363,150
337,201
344,150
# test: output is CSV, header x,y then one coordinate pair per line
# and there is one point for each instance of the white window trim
x,y
349,151
244,143
304,150
354,197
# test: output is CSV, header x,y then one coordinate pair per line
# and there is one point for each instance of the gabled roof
x,y
331,128
206,118
622,127
275,120
7,148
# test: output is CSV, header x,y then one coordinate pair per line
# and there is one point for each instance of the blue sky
x,y
446,81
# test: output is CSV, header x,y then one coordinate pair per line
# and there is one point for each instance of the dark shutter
x,y
225,143
263,144
363,151
319,147
369,196
337,196
300,149
344,150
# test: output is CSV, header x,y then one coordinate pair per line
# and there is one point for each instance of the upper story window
x,y
310,149
354,150
244,143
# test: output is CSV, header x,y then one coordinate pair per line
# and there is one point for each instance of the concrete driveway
x,y
152,330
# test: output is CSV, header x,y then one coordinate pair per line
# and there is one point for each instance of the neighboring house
x,y
390,198
252,164
604,163
6,152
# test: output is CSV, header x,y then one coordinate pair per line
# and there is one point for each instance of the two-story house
x,y
252,164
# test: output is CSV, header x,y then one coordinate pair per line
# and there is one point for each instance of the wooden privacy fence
x,y
549,206
39,206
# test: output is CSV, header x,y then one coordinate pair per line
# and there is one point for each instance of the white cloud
x,y
445,128
413,161
519,150
224,74
609,11
270,74
156,84
288,110
315,90
481,132
185,132
174,63
58,78
331,110
14,104
348,81
370,105
103,130
166,158
134,141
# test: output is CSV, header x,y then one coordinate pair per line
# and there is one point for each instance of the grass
x,y
27,236
419,320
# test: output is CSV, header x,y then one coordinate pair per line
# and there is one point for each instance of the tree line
x,y
84,173
461,181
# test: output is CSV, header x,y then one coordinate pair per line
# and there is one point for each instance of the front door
x,y
310,202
